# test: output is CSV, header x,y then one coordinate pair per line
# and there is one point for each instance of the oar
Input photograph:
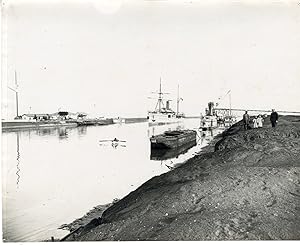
x,y
117,140
113,140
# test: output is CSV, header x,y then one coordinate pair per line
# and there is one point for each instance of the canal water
x,y
53,176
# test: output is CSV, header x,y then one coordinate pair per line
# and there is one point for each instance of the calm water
x,y
53,176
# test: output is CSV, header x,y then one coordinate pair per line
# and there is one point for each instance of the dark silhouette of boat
x,y
95,122
165,154
173,139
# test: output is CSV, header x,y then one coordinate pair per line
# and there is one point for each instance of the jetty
x,y
243,186
19,124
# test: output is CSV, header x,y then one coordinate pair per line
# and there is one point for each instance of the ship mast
x,y
159,105
16,91
159,96
17,96
177,100
230,103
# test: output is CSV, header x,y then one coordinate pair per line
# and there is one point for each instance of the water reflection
x,y
172,158
18,160
40,193
62,133
81,131
45,131
207,135
165,154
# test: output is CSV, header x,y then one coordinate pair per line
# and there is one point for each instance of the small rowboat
x,y
172,139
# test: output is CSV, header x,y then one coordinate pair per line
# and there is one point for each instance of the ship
x,y
95,122
163,114
225,117
173,139
167,153
210,120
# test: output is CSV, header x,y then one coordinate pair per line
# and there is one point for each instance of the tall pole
x,y
159,97
15,90
229,103
177,100
17,99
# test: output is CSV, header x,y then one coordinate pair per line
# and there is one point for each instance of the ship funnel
x,y
210,108
168,105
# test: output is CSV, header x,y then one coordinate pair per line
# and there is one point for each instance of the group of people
x,y
258,120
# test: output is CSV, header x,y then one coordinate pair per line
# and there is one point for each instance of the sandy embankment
x,y
247,189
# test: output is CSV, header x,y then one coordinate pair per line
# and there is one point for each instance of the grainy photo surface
x,y
157,120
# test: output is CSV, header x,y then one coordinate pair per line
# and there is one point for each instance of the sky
x,y
106,57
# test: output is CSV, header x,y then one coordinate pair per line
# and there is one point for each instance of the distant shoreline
x,y
15,125
23,125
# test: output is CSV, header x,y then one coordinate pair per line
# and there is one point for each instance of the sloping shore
x,y
246,188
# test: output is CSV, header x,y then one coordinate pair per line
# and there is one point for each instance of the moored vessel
x,y
173,139
163,114
210,120
95,122
24,124
165,154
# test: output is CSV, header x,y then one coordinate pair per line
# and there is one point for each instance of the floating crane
x,y
221,98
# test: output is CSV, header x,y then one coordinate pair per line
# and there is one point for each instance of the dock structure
x,y
227,110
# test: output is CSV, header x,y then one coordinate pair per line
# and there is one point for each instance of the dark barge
x,y
172,139
95,122
166,154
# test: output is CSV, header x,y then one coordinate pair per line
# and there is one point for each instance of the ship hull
x,y
162,119
95,122
172,139
165,154
208,123
22,124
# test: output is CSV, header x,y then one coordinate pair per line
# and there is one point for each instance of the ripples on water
x,y
53,176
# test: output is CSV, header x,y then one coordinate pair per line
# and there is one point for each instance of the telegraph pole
x,y
16,91
17,98
230,103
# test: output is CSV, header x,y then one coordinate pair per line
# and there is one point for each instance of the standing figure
x,y
274,118
255,122
260,121
246,119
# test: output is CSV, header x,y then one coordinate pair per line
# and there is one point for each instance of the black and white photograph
x,y
150,120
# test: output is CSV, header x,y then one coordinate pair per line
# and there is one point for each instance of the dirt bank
x,y
246,188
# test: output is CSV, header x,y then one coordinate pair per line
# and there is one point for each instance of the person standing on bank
x,y
274,118
260,121
255,122
246,119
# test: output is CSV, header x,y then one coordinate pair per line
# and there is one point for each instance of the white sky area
x,y
106,57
